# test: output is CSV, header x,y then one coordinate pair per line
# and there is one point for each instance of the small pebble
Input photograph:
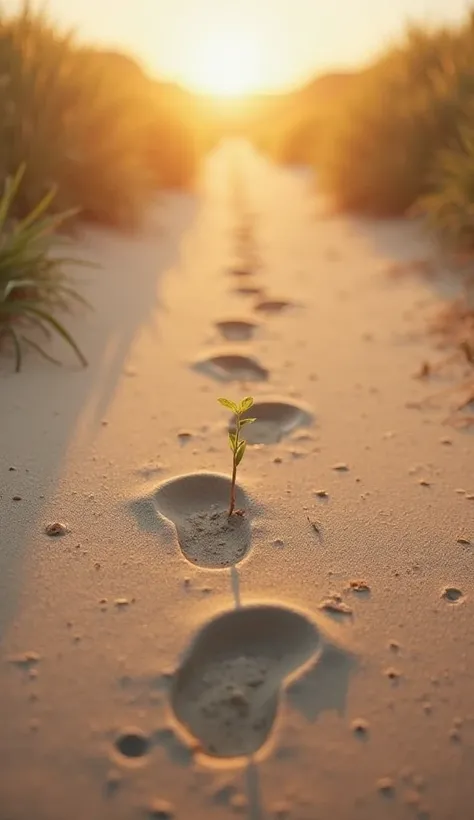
x,y
278,542
463,540
360,726
341,467
16,498
470,497
359,586
385,785
393,673
25,658
394,646
121,602
321,493
424,483
339,607
161,810
56,528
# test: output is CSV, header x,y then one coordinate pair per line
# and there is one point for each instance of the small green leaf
x,y
246,421
245,404
232,440
240,452
229,404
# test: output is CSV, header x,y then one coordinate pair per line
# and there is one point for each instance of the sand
x,y
312,657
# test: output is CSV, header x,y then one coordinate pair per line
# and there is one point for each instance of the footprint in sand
x,y
237,330
232,367
249,290
275,419
272,305
241,272
226,691
197,505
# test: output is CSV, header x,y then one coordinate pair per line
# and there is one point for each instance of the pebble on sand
x,y
360,726
25,658
386,785
341,467
55,528
338,607
359,585
160,810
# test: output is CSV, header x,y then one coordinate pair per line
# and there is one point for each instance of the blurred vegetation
x,y
85,135
33,285
396,137
89,122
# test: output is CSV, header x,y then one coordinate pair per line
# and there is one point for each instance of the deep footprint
x,y
236,330
272,305
232,367
226,691
197,505
275,419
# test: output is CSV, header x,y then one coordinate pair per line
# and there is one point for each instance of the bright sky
x,y
235,46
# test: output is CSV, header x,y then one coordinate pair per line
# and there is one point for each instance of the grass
x,y
90,123
237,443
397,137
33,287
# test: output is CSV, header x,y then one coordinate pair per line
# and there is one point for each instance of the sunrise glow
x,y
226,63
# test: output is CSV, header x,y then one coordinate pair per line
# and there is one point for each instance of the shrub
x,y
80,119
33,286
384,144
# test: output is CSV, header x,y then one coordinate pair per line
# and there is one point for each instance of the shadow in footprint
x,y
197,506
226,690
237,330
324,686
275,419
232,367
272,306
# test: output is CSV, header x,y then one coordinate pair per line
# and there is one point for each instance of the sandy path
x,y
114,712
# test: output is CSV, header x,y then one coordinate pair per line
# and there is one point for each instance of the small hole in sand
x,y
452,594
132,744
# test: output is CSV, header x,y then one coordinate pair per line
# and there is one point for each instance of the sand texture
x,y
313,656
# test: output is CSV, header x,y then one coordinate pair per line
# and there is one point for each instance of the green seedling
x,y
237,444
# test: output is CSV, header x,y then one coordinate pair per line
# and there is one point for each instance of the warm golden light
x,y
225,63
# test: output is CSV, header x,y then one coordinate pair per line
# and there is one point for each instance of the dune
x,y
313,655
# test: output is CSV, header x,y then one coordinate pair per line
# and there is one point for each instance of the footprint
x,y
249,290
241,272
197,505
272,305
226,691
275,420
232,367
237,330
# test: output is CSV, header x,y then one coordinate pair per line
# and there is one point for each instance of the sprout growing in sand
x,y
237,444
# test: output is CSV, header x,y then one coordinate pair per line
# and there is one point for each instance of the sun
x,y
226,64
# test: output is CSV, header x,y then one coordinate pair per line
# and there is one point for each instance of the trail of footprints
x,y
226,691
